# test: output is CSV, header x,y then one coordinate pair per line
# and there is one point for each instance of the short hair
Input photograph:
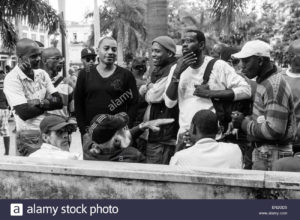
x,y
199,34
104,38
206,122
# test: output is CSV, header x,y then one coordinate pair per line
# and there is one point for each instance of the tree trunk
x,y
120,57
157,20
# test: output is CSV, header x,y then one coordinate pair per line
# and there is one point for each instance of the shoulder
x,y
124,71
230,147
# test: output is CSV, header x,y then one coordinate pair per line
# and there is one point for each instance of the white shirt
x,y
49,151
209,153
222,77
19,88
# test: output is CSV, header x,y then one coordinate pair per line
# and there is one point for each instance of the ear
x,y
170,54
202,45
45,137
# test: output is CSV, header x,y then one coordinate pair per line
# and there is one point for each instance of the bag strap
x,y
58,81
208,70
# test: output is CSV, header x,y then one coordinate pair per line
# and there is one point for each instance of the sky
x,y
76,9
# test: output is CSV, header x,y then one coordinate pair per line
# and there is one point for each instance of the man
x,y
161,145
30,93
4,115
271,127
105,88
88,57
53,63
292,76
207,152
183,86
56,133
110,139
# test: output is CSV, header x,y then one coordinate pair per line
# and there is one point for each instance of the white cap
x,y
254,48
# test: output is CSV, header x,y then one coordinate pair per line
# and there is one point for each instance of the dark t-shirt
x,y
97,95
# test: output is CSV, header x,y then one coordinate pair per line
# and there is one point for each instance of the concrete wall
x,y
62,179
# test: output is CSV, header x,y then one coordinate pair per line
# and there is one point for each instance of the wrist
x,y
142,126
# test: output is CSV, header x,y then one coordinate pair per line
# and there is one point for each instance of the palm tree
x,y
225,13
35,12
125,20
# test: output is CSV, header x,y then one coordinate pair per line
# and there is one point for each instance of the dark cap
x,y
27,47
103,127
166,42
54,123
88,52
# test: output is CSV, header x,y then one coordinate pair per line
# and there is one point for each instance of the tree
x,y
35,12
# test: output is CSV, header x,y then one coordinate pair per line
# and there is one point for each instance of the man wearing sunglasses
x,y
30,93
56,135
88,57
53,63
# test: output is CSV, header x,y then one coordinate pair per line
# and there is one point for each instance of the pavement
x,y
75,144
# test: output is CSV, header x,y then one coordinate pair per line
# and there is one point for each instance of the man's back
x,y
209,153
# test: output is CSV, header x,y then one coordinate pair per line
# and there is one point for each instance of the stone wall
x,y
31,178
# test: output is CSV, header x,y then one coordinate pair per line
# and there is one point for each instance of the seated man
x,y
109,138
56,136
207,152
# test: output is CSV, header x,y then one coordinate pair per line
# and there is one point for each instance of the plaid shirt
x,y
273,119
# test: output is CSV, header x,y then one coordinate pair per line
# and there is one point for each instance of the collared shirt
x,y
222,77
19,89
207,152
273,116
49,151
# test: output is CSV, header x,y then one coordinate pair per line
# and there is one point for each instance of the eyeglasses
x,y
88,59
58,58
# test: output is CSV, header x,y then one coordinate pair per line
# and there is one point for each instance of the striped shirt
x,y
273,119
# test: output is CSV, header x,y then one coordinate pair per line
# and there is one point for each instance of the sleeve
x,y
169,102
273,124
231,80
132,103
79,101
13,90
155,94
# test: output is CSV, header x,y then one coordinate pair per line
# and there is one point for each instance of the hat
x,y
88,52
103,127
254,48
54,123
27,47
166,42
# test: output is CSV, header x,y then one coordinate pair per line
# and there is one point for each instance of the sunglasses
x,y
58,58
88,59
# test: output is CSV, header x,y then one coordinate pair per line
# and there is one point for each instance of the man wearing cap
x,y
185,79
206,151
110,139
271,127
30,93
56,135
105,88
161,145
88,57
53,62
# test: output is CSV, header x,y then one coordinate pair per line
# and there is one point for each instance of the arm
x,y
155,94
52,102
27,111
79,101
183,63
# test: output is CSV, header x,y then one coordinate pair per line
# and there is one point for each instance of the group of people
x,y
193,111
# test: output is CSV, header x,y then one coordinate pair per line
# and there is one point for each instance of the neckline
x,y
105,78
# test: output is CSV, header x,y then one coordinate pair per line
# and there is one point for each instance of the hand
x,y
184,62
237,119
24,65
202,91
154,124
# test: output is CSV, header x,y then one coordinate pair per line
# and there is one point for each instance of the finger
x,y
164,121
154,128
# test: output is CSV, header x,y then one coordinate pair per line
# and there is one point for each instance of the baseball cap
x,y
166,42
88,52
104,126
54,123
27,47
254,48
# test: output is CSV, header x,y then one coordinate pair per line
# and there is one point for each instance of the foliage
x,y
35,12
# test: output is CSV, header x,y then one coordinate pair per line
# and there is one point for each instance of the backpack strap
x,y
58,81
208,70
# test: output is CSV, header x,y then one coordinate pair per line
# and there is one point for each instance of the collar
x,y
22,75
50,147
265,75
161,71
205,141
292,75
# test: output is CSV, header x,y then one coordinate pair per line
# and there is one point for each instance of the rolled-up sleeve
x,y
168,102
